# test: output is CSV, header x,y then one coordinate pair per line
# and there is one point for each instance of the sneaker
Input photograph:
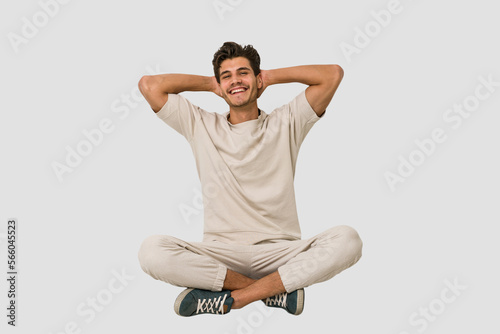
x,y
196,301
292,302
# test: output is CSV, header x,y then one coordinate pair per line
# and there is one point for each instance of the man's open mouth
x,y
237,90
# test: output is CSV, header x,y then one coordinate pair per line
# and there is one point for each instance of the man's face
x,y
238,83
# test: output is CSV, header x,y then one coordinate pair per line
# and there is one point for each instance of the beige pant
x,y
203,265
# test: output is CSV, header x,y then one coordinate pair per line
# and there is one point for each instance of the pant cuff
x,y
284,279
219,280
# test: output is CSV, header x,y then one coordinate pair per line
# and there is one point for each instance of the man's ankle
x,y
237,300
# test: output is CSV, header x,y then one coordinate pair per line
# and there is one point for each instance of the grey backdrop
x,y
407,154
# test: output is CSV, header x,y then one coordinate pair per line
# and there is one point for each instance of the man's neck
x,y
240,115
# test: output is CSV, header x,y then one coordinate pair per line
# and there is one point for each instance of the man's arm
x,y
323,81
156,88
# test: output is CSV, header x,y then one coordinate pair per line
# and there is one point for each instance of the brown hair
x,y
230,50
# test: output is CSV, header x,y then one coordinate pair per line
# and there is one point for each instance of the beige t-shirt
x,y
246,169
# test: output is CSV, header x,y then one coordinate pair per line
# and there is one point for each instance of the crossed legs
x,y
245,290
251,272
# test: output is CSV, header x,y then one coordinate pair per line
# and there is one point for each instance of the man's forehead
x,y
234,64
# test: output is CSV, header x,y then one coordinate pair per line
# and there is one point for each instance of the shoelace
x,y
278,300
208,305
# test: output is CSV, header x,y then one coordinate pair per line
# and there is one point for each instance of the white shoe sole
x,y
179,300
300,302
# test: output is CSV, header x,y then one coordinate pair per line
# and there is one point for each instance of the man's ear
x,y
259,80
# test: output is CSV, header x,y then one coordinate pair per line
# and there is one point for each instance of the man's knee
x,y
154,252
353,241
147,250
349,237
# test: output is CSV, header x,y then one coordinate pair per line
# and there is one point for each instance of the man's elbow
x,y
336,73
334,76
145,84
149,88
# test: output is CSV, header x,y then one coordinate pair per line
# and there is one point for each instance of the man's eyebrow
x,y
239,69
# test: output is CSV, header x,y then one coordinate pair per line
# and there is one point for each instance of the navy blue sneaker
x,y
196,301
292,302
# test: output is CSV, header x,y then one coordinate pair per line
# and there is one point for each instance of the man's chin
x,y
237,104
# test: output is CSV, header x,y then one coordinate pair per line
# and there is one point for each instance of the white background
x,y
440,224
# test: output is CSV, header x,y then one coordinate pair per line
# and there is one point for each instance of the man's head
x,y
230,50
237,70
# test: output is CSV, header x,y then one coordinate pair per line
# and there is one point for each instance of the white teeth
x,y
237,90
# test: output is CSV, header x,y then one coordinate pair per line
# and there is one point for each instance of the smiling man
x,y
252,248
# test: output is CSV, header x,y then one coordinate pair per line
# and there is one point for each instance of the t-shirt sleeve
x,y
180,114
302,118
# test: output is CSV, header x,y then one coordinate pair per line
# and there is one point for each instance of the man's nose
x,y
236,80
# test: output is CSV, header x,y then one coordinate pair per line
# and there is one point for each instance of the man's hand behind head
x,y
216,87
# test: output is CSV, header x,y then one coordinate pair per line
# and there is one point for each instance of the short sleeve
x,y
302,118
180,114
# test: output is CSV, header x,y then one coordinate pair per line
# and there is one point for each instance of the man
x,y
252,247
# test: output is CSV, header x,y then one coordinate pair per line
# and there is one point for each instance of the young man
x,y
252,247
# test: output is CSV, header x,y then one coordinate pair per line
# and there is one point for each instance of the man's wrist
x,y
268,77
278,76
214,86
